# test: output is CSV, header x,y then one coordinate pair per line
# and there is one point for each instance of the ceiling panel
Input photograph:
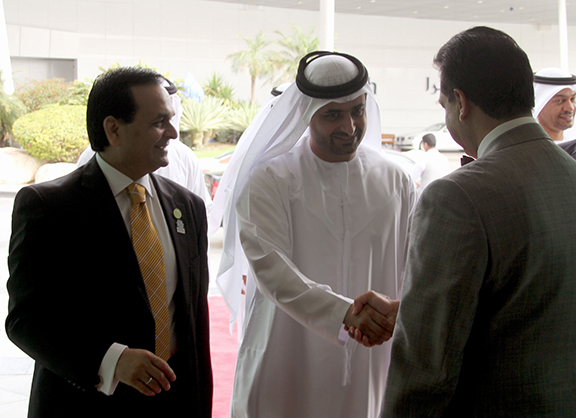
x,y
540,12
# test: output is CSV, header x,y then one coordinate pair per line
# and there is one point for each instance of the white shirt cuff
x,y
108,367
342,336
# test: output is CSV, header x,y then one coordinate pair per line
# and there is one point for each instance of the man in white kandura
x,y
432,166
322,218
555,101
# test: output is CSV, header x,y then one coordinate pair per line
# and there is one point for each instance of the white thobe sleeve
x,y
265,230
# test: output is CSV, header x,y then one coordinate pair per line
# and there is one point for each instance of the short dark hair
x,y
111,95
491,69
429,139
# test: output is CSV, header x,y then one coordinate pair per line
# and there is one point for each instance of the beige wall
x,y
180,36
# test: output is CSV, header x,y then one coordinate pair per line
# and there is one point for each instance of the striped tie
x,y
151,259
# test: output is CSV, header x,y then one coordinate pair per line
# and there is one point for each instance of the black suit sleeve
x,y
43,306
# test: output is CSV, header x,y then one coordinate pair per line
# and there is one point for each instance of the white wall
x,y
180,36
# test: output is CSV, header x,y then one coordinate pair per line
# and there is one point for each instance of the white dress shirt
x,y
118,183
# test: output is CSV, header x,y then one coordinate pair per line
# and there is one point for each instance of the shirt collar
x,y
501,129
119,181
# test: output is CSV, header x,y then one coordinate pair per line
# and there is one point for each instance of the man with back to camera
x,y
432,166
485,327
322,218
126,334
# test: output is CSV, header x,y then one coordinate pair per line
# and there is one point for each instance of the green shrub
x,y
78,92
202,119
54,133
39,93
242,115
11,108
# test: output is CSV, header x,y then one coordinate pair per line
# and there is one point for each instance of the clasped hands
x,y
371,318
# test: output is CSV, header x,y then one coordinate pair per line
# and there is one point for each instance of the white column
x,y
327,25
5,64
563,32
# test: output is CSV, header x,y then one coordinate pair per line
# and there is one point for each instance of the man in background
x,y
555,101
432,166
485,327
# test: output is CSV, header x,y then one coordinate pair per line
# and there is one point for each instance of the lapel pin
x,y
180,227
179,222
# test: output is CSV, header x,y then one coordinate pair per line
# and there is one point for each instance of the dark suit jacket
x,y
75,288
569,147
486,322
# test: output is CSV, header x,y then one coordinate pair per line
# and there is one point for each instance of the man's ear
x,y
463,104
112,127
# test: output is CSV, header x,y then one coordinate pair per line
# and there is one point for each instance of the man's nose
x,y
171,131
349,125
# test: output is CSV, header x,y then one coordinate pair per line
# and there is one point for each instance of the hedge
x,y
54,133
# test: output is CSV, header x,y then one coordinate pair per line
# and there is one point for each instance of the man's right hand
x,y
135,367
371,319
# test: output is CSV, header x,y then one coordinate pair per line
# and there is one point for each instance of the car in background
x,y
213,169
212,180
219,163
444,141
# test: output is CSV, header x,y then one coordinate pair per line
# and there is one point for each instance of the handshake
x,y
371,318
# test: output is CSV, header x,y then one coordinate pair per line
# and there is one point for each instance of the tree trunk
x,y
253,90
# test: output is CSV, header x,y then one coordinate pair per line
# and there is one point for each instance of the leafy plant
x,y
294,47
216,86
54,133
79,91
202,119
11,108
242,115
36,94
257,60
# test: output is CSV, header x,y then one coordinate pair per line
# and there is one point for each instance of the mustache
x,y
342,135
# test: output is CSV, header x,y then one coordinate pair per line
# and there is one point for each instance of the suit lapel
x,y
179,221
103,208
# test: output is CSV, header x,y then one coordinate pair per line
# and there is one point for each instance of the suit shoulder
x,y
57,187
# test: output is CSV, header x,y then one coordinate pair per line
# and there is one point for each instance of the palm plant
x,y
202,119
217,86
11,108
242,115
256,59
294,47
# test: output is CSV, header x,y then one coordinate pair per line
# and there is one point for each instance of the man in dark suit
x,y
569,147
485,327
81,304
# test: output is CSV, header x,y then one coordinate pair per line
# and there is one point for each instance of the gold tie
x,y
151,259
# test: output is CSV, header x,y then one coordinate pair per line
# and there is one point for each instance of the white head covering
x,y
280,123
548,82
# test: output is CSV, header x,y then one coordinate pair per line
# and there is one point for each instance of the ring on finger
x,y
149,380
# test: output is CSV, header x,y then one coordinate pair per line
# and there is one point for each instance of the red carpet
x,y
224,347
